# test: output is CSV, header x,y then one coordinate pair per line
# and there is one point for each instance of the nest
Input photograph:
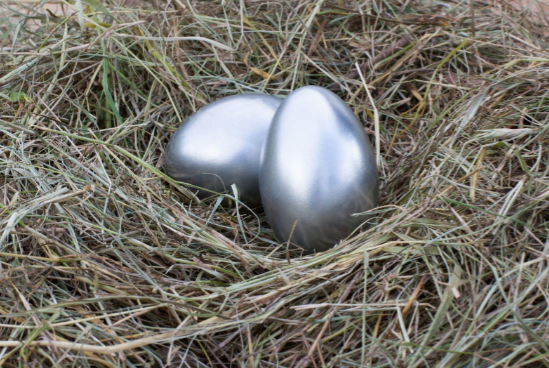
x,y
107,262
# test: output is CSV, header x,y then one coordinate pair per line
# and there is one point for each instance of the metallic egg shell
x,y
318,168
221,145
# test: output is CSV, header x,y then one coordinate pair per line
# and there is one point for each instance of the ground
x,y
108,262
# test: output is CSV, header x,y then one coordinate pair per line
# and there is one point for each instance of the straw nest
x,y
107,262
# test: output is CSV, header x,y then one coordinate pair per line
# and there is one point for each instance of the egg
x,y
220,145
318,169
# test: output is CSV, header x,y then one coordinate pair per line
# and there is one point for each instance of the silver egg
x,y
318,168
220,145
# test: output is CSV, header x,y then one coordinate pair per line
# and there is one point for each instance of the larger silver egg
x,y
220,145
318,169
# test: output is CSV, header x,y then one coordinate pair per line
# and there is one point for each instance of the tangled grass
x,y
107,262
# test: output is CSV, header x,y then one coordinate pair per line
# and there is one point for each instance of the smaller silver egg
x,y
318,170
220,145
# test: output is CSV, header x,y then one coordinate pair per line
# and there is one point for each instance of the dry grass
x,y
106,262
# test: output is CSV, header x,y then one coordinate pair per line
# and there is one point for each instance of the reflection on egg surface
x,y
318,169
221,144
